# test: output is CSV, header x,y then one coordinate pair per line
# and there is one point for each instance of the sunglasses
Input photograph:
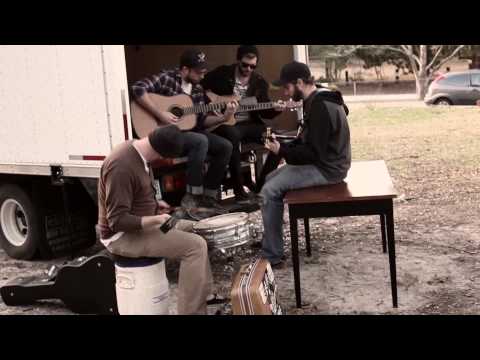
x,y
251,66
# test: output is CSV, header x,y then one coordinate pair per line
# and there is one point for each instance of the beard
x,y
191,81
297,95
242,71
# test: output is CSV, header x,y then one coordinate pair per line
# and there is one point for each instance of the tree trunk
x,y
421,82
328,69
422,73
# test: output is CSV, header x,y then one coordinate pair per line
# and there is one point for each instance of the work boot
x,y
211,203
190,201
241,196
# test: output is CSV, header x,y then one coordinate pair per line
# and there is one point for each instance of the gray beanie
x,y
167,141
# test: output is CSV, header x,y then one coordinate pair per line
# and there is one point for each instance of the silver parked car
x,y
459,88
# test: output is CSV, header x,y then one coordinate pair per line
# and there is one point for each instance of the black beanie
x,y
246,49
167,141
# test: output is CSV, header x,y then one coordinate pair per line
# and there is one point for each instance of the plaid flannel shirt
x,y
169,83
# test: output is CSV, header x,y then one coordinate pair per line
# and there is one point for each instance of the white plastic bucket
x,y
142,290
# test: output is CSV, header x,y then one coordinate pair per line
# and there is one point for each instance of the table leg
x,y
383,220
391,254
295,259
306,225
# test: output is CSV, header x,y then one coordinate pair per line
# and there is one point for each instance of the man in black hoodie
x,y
321,155
242,80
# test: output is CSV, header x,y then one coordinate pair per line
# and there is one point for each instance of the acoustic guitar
x,y
182,106
249,104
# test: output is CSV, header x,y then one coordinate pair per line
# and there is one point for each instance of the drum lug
x,y
253,231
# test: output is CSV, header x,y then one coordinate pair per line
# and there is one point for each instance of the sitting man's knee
x,y
200,142
226,148
199,244
267,192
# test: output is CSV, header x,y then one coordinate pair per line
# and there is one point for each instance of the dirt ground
x,y
432,155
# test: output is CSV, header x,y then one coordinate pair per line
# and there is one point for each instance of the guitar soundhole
x,y
178,112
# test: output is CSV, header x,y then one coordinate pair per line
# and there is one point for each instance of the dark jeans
x,y
249,131
271,163
197,146
279,182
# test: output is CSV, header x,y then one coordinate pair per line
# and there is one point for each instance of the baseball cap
x,y
292,72
193,59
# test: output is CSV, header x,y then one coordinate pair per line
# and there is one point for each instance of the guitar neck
x,y
255,107
203,109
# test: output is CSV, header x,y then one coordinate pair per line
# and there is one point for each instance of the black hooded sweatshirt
x,y
325,138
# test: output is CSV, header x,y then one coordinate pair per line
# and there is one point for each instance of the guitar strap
x,y
155,184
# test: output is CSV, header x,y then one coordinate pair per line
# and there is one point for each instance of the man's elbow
x,y
114,223
138,93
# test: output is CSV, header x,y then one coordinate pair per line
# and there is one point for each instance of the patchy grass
x,y
430,151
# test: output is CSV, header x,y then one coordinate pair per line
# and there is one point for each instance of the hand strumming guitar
x,y
166,117
272,145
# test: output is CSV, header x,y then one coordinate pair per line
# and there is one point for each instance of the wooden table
x,y
367,190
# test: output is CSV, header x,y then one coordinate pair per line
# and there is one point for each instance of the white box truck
x,y
62,109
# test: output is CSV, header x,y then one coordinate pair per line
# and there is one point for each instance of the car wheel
x,y
443,102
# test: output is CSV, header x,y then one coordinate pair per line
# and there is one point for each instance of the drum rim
x,y
221,228
240,236
212,227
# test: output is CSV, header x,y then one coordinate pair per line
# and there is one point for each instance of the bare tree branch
x,y
434,58
408,50
448,58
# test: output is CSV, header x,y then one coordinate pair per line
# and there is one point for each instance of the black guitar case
x,y
85,285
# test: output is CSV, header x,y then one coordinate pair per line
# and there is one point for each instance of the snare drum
x,y
225,231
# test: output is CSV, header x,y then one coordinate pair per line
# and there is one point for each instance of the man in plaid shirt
x,y
202,189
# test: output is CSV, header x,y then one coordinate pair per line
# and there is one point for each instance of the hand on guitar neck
x,y
219,119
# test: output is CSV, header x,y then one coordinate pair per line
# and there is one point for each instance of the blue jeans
x,y
279,182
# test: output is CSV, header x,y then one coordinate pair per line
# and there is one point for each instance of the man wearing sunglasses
x,y
241,79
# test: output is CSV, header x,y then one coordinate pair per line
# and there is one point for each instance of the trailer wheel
x,y
20,229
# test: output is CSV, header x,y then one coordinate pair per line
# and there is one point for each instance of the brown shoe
x,y
211,203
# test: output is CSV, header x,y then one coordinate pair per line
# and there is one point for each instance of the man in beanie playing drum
x,y
130,216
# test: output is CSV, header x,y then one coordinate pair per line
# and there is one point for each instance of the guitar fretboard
x,y
203,109
206,108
